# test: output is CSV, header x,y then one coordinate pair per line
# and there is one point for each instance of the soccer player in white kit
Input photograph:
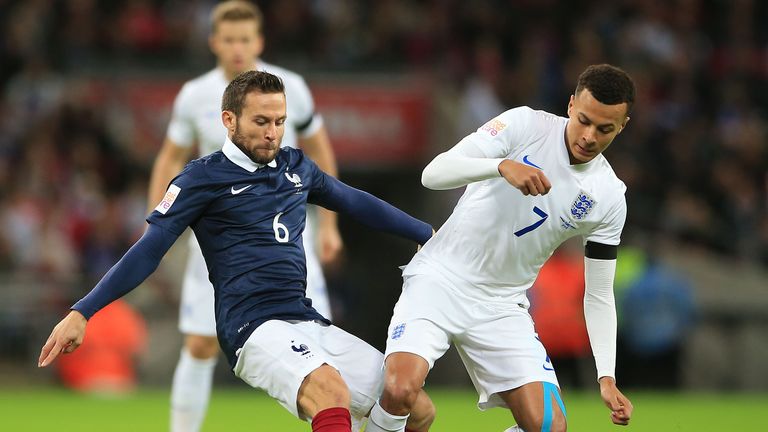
x,y
533,180
237,42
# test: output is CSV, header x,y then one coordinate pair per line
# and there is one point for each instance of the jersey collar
x,y
237,157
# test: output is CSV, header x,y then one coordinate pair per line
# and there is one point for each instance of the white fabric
x,y
513,429
600,313
279,355
452,169
382,421
496,341
191,392
478,242
196,117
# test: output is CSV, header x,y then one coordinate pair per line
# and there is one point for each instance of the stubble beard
x,y
239,140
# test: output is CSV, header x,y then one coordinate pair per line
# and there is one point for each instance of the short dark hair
x,y
246,82
608,84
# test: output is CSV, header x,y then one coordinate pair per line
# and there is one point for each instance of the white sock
x,y
382,421
514,428
191,392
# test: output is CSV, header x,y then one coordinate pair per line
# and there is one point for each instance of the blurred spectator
x,y
107,363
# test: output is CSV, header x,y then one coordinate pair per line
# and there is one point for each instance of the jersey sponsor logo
x,y
493,127
301,349
398,331
243,327
168,199
528,162
242,189
582,205
295,179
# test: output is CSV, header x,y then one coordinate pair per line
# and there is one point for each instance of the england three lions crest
x,y
582,205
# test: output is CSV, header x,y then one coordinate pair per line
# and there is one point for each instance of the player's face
x,y
259,129
236,45
592,126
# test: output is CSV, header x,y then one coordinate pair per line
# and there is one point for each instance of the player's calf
x,y
537,407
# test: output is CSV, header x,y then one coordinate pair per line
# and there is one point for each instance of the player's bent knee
x,y
202,347
323,388
401,393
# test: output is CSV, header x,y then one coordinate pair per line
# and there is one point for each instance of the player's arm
x,y
369,210
482,156
600,317
169,162
318,147
133,268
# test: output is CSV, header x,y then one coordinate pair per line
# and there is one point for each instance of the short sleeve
x,y
498,137
185,200
609,230
181,129
307,121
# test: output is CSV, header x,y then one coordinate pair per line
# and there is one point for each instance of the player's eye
x,y
584,122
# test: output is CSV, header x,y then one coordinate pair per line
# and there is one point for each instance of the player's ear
x,y
229,120
570,106
624,124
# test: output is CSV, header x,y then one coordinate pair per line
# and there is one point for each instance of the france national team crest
x,y
398,331
295,179
582,205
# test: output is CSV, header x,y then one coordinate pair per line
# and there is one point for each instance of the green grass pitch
x,y
46,409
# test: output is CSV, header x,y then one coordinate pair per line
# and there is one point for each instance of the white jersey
x,y
497,239
197,110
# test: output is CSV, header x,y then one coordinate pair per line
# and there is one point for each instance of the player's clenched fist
x,y
65,337
529,180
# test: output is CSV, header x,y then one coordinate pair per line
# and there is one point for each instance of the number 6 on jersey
x,y
281,231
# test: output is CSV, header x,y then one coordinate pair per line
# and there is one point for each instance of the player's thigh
x,y
278,355
360,365
197,315
424,319
537,406
501,351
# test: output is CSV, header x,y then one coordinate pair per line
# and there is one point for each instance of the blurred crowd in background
x,y
694,156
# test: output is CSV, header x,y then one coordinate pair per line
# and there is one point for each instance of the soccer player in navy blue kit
x,y
247,206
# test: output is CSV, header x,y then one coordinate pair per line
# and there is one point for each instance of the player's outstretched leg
x,y
192,383
537,406
404,376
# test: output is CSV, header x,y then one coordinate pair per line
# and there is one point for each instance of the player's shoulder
x,y
289,77
202,167
607,179
203,84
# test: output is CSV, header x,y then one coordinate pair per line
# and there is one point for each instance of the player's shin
x,y
381,421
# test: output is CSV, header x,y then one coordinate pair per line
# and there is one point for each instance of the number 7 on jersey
x,y
534,225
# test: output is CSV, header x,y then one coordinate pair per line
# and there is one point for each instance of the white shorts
x,y
280,354
496,341
196,308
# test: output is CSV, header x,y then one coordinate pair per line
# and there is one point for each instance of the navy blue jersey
x,y
249,226
248,219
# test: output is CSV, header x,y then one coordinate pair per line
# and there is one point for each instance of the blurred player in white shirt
x,y
236,40
533,181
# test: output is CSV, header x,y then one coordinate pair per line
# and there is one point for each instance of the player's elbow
x,y
431,178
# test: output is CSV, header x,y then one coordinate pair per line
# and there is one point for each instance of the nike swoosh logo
x,y
237,191
527,162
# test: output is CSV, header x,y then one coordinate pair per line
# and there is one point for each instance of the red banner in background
x,y
374,125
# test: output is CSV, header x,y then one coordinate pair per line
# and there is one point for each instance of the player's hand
x,y
65,337
331,243
529,180
620,406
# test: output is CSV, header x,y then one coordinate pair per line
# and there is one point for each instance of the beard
x,y
263,157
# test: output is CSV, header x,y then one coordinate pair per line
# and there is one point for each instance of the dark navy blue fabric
x,y
249,226
136,265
